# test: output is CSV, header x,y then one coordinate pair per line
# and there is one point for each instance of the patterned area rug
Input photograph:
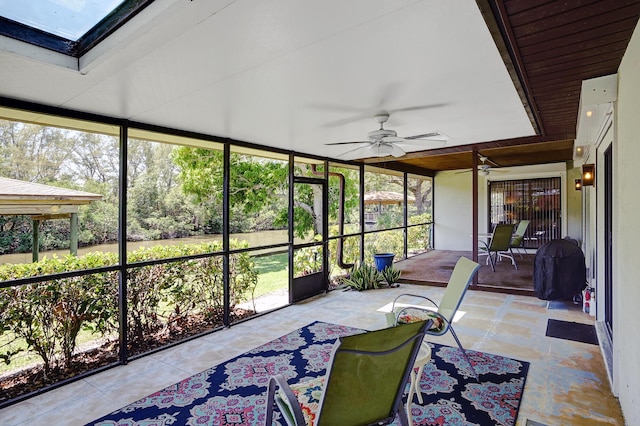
x,y
233,393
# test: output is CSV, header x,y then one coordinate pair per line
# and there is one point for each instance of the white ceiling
x,y
292,74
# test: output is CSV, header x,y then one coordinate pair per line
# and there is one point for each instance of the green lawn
x,y
273,273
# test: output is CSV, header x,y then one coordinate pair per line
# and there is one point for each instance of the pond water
x,y
255,239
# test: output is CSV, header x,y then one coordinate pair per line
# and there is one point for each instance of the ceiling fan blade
x,y
425,136
417,107
347,120
425,143
347,143
483,172
430,136
359,152
484,159
363,113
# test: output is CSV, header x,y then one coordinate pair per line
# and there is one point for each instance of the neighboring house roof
x,y
386,197
27,198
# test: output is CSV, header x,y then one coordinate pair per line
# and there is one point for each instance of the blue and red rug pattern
x,y
233,393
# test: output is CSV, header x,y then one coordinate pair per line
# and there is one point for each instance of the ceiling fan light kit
x,y
384,150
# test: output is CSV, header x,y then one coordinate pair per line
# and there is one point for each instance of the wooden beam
x,y
50,216
14,209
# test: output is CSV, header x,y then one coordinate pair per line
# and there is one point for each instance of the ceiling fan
x,y
384,142
485,168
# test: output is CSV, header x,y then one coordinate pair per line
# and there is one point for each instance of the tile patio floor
x,y
567,383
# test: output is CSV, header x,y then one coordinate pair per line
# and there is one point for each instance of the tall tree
x,y
34,153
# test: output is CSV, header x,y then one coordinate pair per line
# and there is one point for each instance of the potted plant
x,y
383,260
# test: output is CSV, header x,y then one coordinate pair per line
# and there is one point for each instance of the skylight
x,y
69,19
71,27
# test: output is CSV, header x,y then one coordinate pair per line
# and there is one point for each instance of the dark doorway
x,y
608,240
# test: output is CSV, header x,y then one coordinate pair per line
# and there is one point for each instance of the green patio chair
x,y
444,312
365,380
499,245
518,237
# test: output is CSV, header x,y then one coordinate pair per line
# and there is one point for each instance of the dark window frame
x,y
110,23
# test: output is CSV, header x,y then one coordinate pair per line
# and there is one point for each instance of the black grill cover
x,y
559,270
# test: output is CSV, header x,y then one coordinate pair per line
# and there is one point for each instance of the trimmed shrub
x,y
48,316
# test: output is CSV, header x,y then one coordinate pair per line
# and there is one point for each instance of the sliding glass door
x,y
537,200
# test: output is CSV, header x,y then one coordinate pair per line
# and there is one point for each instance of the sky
x,y
69,19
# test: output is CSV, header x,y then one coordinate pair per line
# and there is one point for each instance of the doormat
x,y
578,332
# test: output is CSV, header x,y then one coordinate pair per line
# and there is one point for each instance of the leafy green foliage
x,y
418,236
258,187
307,260
160,297
384,242
50,315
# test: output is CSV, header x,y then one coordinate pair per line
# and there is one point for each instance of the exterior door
x,y
307,255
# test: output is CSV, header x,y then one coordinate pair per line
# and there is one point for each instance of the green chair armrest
x,y
285,399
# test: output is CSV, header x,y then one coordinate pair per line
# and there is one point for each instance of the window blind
x,y
537,200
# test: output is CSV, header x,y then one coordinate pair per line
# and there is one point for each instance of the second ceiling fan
x,y
485,167
386,142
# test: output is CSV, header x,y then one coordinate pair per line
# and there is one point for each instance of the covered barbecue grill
x,y
559,270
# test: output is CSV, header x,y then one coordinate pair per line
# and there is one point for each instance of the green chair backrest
x,y
457,286
519,234
501,239
367,375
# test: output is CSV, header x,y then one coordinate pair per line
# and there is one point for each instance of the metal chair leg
x,y
464,353
492,261
513,257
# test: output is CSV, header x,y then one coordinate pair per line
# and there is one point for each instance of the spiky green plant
x,y
391,275
363,277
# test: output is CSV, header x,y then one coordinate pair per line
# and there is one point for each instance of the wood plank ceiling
x,y
549,48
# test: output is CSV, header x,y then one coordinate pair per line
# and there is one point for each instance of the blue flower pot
x,y
383,260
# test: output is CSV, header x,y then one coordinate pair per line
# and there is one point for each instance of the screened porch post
x,y
35,239
73,243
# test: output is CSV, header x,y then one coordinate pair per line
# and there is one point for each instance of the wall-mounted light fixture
x,y
578,184
588,174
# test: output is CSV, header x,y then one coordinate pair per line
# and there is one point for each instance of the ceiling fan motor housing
x,y
377,135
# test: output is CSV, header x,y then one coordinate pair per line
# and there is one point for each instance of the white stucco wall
x,y
452,210
626,279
